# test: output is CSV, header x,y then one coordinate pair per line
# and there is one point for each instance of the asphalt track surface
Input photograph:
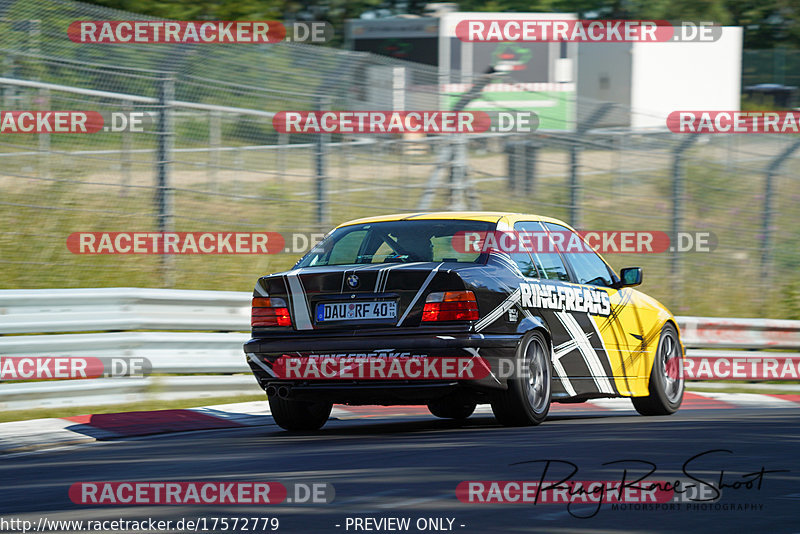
x,y
409,467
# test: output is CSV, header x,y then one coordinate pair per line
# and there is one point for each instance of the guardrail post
x,y
320,155
164,140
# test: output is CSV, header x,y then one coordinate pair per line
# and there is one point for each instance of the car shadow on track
x,y
367,426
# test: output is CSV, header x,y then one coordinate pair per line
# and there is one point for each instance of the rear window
x,y
395,242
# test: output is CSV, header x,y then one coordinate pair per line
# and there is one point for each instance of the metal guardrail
x,y
41,311
719,333
102,391
188,332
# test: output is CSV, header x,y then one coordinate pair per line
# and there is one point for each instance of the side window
x,y
549,264
589,268
524,260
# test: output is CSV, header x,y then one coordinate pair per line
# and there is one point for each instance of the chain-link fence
x,y
211,161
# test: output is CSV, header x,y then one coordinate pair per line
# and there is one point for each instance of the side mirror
x,y
630,276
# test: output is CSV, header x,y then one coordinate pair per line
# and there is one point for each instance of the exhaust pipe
x,y
272,391
284,392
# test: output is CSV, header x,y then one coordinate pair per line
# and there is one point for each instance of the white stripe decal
x,y
558,352
300,314
496,313
378,280
253,358
602,341
476,354
385,273
507,262
419,293
585,347
382,274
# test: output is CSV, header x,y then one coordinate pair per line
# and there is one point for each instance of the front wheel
x,y
527,399
297,415
666,377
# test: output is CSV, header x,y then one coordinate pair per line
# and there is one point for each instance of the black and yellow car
x,y
549,325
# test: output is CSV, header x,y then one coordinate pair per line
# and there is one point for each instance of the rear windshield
x,y
395,242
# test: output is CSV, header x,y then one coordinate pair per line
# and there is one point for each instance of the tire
x,y
298,416
666,377
526,402
451,408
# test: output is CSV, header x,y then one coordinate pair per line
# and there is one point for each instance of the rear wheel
x,y
527,399
666,377
299,415
450,408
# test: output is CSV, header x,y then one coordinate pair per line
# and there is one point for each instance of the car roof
x,y
488,216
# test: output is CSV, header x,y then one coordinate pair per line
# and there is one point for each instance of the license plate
x,y
354,311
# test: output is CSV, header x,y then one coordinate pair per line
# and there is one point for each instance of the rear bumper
x,y
360,343
263,352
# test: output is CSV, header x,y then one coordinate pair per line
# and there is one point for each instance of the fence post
x,y
44,138
678,199
514,154
575,186
458,176
125,157
214,142
283,142
9,91
767,216
320,154
164,140
531,155
443,161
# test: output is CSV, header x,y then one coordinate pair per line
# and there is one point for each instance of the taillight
x,y
450,306
270,312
